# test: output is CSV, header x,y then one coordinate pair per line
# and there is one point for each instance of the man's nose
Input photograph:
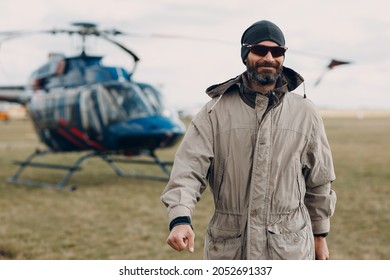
x,y
269,56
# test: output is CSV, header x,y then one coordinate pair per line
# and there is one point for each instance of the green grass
x,y
360,226
111,217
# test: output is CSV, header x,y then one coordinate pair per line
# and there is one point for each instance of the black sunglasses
x,y
262,50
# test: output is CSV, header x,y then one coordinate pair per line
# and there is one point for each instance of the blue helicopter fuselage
x,y
79,104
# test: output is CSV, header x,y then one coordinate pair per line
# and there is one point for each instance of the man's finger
x,y
190,243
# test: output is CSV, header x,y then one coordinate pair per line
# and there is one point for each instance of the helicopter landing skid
x,y
28,162
112,162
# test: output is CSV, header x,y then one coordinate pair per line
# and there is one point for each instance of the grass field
x,y
112,217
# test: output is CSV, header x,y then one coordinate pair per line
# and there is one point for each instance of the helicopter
x,y
77,104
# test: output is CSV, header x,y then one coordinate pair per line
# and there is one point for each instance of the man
x,y
264,152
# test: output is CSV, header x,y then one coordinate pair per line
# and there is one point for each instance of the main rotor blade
x,y
171,36
16,34
85,29
135,57
84,32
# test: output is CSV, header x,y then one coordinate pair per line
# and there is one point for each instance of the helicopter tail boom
x,y
14,94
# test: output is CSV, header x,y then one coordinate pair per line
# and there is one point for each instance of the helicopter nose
x,y
167,130
148,133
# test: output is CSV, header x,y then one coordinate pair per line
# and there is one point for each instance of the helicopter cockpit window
x,y
109,110
130,101
111,103
154,98
75,75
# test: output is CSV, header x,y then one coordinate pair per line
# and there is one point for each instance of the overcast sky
x,y
351,30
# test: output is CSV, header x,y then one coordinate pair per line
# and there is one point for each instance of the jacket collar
x,y
288,81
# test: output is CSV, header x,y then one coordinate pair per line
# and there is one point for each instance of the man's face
x,y
264,70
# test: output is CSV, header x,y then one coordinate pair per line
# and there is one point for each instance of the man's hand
x,y
182,236
321,248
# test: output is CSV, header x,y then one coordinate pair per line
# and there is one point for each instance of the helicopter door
x,y
98,110
103,105
89,115
109,110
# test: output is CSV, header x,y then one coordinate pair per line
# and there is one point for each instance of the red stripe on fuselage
x,y
62,132
83,137
72,131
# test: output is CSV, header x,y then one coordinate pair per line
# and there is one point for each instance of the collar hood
x,y
288,81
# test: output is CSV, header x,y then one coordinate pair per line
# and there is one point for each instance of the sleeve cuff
x,y
321,234
321,226
178,211
183,220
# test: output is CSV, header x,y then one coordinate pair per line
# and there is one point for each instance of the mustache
x,y
267,64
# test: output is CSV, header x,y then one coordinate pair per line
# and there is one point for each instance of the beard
x,y
264,77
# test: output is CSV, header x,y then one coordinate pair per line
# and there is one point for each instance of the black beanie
x,y
260,31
